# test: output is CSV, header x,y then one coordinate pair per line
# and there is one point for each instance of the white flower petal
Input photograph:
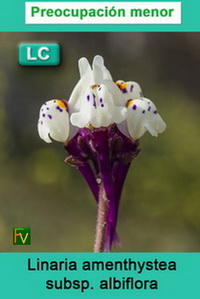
x,y
100,71
87,79
84,66
43,132
118,98
156,125
74,103
130,90
142,116
97,109
54,121
98,68
123,128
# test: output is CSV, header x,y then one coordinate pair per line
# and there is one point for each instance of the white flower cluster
x,y
97,101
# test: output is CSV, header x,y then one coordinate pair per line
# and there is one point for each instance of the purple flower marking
x,y
43,115
49,116
134,107
88,97
124,90
59,108
149,108
131,88
94,103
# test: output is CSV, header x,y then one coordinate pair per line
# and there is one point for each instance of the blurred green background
x,y
160,206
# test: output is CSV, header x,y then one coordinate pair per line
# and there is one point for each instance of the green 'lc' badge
x,y
39,54
21,236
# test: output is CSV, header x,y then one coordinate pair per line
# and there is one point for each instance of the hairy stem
x,y
101,225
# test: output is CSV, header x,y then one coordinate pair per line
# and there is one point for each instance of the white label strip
x,y
103,12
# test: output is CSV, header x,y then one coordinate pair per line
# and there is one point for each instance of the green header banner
x,y
71,16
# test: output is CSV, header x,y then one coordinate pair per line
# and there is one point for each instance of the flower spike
x,y
100,126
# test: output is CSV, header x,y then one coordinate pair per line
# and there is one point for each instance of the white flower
x,y
54,121
142,116
96,75
96,102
